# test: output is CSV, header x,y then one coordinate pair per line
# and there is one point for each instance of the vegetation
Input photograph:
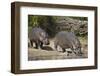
x,y
80,18
45,22
50,23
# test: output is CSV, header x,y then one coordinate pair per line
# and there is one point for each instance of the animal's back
x,y
64,39
35,33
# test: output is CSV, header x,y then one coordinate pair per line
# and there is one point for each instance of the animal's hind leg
x,y
31,43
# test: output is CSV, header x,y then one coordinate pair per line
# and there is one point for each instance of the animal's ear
x,y
41,33
41,38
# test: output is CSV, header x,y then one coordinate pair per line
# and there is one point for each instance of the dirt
x,y
49,53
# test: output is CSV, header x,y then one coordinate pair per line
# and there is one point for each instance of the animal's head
x,y
44,38
77,48
79,52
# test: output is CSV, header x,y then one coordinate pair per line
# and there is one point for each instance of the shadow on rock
x,y
47,48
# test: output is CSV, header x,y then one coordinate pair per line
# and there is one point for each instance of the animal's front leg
x,y
41,45
36,45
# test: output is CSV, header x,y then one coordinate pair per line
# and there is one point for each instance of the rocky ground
x,y
48,53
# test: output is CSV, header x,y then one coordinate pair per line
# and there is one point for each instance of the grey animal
x,y
39,37
67,40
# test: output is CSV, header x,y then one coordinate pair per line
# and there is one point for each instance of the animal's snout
x,y
48,43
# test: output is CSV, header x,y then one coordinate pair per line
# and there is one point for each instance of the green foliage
x,y
79,18
49,23
45,22
32,21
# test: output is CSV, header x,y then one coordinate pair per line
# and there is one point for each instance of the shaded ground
x,y
48,52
